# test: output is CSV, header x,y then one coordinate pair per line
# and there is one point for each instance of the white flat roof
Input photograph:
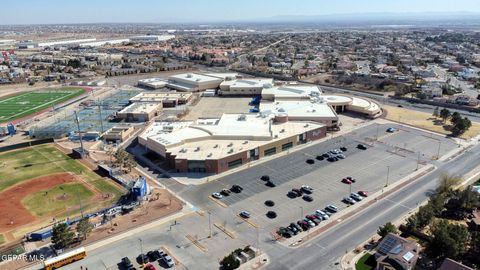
x,y
222,75
292,91
299,108
142,107
254,82
194,77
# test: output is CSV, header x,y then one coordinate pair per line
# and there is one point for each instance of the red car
x,y
351,179
149,267
363,193
346,181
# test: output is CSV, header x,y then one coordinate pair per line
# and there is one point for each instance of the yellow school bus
x,y
65,258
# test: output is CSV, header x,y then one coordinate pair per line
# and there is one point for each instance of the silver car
x,y
355,196
322,215
349,200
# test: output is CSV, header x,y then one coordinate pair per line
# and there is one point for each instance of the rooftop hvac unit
x,y
215,146
276,136
306,125
242,117
230,145
189,75
209,155
230,151
282,131
245,142
183,150
197,149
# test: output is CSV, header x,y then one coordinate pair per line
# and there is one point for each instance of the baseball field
x,y
21,105
40,183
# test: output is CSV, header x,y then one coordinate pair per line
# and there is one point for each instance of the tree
x,y
436,112
386,229
62,236
437,203
461,126
424,216
412,223
450,240
468,198
455,118
84,228
444,114
447,183
121,155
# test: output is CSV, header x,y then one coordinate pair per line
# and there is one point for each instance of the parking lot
x,y
390,159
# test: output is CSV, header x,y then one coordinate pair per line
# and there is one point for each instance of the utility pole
x,y
141,250
418,161
100,115
438,151
209,225
82,151
388,175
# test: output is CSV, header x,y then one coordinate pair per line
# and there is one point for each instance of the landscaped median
x,y
426,121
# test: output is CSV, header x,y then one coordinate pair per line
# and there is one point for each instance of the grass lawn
x,y
426,121
21,165
59,198
24,104
367,262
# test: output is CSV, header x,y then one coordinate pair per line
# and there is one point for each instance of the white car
x,y
331,208
217,195
168,261
322,215
355,196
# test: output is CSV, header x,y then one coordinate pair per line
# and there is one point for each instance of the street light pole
x,y
438,151
388,175
141,250
209,225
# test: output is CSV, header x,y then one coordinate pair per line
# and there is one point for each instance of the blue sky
x,y
90,11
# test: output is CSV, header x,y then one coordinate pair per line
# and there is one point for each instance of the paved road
x,y
325,251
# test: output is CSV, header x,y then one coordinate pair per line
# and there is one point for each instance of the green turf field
x,y
24,104
21,165
62,197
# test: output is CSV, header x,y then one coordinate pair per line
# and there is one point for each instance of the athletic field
x,y
24,104
41,182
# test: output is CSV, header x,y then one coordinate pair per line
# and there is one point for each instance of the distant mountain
x,y
376,16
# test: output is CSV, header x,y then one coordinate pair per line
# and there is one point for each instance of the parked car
x,y
149,267
269,203
310,223
296,226
361,147
142,258
225,192
310,161
168,261
303,224
356,197
346,181
351,179
326,155
314,218
153,255
293,229
331,208
349,200
307,198
320,158
363,193
236,188
245,214
298,191
270,184
127,264
217,195
292,194
341,156
332,159
391,130
321,214
343,148
306,189
265,178
271,214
